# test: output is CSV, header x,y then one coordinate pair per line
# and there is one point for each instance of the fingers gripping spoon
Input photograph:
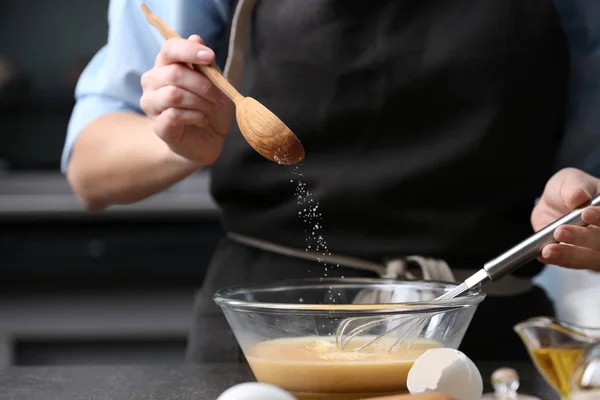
x,y
266,133
521,254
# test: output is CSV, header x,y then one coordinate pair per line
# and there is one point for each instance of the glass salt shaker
x,y
506,383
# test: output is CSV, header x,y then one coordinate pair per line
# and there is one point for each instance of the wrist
x,y
178,163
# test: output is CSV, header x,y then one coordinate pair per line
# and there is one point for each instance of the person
x,y
437,134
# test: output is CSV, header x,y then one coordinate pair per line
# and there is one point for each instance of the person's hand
x,y
182,103
578,247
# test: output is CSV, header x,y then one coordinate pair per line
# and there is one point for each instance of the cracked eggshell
x,y
446,371
255,391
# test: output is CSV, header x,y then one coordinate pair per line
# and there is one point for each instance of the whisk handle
x,y
531,247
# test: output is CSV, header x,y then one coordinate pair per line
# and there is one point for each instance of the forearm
x,y
117,159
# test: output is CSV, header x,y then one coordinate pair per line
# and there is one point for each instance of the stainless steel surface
x,y
62,316
48,194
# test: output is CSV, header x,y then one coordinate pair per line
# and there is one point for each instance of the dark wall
x,y
49,42
45,37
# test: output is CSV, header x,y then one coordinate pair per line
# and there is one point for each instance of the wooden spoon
x,y
266,133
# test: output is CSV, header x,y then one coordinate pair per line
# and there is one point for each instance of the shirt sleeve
x,y
581,143
111,81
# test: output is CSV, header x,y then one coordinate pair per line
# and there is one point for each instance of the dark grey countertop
x,y
203,382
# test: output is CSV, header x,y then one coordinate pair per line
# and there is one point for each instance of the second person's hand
x,y
180,100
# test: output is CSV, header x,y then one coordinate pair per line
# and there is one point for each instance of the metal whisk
x,y
507,262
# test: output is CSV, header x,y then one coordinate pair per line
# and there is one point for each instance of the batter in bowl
x,y
314,367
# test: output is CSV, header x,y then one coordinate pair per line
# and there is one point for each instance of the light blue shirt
x,y
111,82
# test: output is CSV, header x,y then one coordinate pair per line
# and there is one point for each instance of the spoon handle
x,y
210,71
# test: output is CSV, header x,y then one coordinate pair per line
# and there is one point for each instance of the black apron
x,y
429,128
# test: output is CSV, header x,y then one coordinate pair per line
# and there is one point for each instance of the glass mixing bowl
x,y
290,332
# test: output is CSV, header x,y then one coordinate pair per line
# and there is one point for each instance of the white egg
x,y
446,371
255,391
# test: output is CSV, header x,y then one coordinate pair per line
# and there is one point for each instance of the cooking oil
x,y
557,365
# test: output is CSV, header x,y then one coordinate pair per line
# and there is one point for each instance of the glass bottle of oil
x,y
556,347
557,365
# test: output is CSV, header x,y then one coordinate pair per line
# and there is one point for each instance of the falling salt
x,y
310,214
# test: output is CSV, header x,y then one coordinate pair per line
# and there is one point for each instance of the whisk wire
x,y
415,325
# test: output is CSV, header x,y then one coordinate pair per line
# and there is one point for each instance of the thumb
x,y
572,188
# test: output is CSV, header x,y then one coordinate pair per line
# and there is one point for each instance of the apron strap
x,y
398,268
239,26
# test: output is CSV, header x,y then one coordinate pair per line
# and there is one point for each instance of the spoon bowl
x,y
267,134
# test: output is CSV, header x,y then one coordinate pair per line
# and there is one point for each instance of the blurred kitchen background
x,y
79,287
